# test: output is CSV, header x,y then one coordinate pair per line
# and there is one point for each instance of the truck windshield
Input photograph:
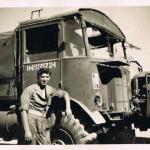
x,y
102,44
73,37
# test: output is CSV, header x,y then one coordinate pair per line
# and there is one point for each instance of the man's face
x,y
43,79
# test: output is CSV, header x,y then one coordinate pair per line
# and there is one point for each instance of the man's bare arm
x,y
68,105
66,96
28,135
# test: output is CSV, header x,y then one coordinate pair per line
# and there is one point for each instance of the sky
x,y
133,19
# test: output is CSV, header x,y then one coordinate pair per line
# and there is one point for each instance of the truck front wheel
x,y
70,131
61,136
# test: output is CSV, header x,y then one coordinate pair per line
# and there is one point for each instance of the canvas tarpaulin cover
x,y
7,46
7,65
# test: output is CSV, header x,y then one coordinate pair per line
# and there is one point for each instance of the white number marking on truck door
x,y
50,65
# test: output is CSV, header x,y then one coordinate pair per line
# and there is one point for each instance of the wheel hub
x,y
61,137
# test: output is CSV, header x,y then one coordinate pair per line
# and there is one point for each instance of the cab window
x,y
102,44
41,43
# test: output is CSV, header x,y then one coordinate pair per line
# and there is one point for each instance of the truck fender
x,y
95,116
79,110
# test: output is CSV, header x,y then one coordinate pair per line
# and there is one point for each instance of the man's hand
x,y
28,136
68,112
60,93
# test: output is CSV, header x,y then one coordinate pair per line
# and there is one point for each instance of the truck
x,y
86,53
140,102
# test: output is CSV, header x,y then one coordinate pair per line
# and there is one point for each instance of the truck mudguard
x,y
95,116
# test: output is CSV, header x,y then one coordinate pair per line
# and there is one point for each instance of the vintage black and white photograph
x,y
74,75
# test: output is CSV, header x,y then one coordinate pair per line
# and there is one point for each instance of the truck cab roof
x,y
92,16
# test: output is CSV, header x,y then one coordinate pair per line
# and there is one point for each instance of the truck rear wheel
x,y
70,131
125,136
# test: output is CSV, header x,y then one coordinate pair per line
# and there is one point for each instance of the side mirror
x,y
62,46
60,85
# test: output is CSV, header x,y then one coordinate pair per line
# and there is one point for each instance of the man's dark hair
x,y
43,70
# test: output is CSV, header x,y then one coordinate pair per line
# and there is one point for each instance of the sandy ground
x,y
12,142
141,138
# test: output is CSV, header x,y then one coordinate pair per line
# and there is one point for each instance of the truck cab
x,y
86,53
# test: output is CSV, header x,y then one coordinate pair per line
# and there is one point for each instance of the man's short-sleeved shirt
x,y
32,98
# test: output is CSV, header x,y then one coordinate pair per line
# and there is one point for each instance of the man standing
x,y
35,101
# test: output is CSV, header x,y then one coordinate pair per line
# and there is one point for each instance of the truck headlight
x,y
98,100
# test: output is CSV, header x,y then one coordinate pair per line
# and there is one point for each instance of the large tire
x,y
70,131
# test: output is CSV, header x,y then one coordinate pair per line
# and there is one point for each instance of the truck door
x,y
40,49
115,87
